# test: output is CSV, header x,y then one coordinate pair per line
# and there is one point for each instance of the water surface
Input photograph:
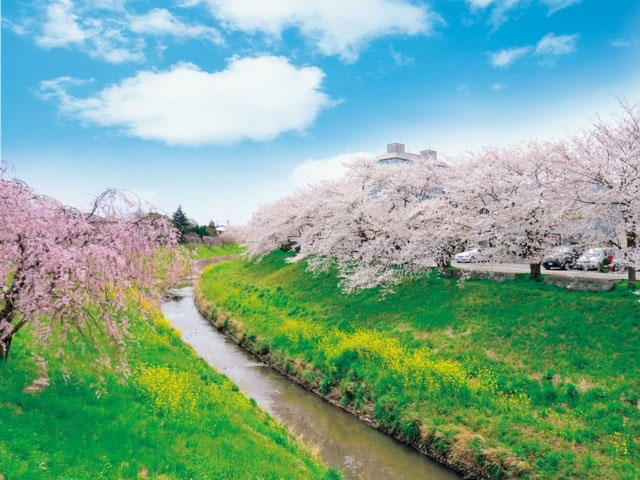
x,y
342,441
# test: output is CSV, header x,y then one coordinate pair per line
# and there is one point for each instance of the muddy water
x,y
342,441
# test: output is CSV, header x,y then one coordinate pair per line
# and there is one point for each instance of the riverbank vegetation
x,y
173,418
509,380
201,251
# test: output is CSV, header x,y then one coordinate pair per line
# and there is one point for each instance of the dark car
x,y
563,257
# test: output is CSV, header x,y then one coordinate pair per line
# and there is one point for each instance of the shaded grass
x,y
175,418
515,378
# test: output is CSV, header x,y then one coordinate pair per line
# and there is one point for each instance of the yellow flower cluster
x,y
154,312
156,316
226,399
485,381
297,330
171,392
408,365
516,400
619,444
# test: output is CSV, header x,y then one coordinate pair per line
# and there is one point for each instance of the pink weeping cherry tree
x,y
65,271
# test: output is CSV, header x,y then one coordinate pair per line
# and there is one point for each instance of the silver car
x,y
591,259
468,256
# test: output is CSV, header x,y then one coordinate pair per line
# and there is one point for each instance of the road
x,y
523,268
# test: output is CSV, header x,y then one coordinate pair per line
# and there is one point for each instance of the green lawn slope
x,y
508,380
174,418
200,251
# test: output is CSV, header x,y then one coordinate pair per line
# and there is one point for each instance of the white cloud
x,y
253,98
552,46
498,86
100,38
336,27
105,29
620,43
479,3
104,49
557,5
61,26
107,41
549,48
507,56
115,5
401,60
161,21
20,28
498,9
311,170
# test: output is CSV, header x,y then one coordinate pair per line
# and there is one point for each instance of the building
x,y
395,154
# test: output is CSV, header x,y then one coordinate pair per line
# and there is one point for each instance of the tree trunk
x,y
632,277
5,345
534,269
6,334
631,271
4,349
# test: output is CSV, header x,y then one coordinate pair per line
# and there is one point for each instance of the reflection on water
x,y
343,441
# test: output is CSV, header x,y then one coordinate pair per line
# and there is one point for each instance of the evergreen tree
x,y
181,223
200,230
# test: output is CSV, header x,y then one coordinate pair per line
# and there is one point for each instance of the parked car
x,y
562,257
592,258
473,255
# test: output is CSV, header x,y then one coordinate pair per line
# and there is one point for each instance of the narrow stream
x,y
343,441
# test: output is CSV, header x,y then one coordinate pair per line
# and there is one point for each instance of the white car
x,y
591,259
468,256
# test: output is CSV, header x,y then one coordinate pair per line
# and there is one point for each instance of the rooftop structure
x,y
395,154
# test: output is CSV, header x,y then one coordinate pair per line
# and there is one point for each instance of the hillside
x,y
174,418
513,379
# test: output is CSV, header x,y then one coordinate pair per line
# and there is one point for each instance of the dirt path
x,y
200,264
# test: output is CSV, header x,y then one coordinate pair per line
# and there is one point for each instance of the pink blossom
x,y
65,269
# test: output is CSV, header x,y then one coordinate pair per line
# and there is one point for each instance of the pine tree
x,y
181,223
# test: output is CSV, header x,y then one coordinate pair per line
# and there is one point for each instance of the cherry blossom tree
x,y
279,224
438,232
356,229
601,171
62,269
357,224
380,222
510,197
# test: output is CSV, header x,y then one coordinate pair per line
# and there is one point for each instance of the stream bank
x,y
341,440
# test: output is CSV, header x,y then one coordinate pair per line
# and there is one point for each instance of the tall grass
x,y
512,379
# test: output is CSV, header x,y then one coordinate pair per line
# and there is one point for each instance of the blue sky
x,y
221,105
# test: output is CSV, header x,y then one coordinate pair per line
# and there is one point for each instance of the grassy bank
x,y
201,251
174,418
514,379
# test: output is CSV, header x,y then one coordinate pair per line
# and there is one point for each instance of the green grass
x,y
201,251
174,418
512,379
